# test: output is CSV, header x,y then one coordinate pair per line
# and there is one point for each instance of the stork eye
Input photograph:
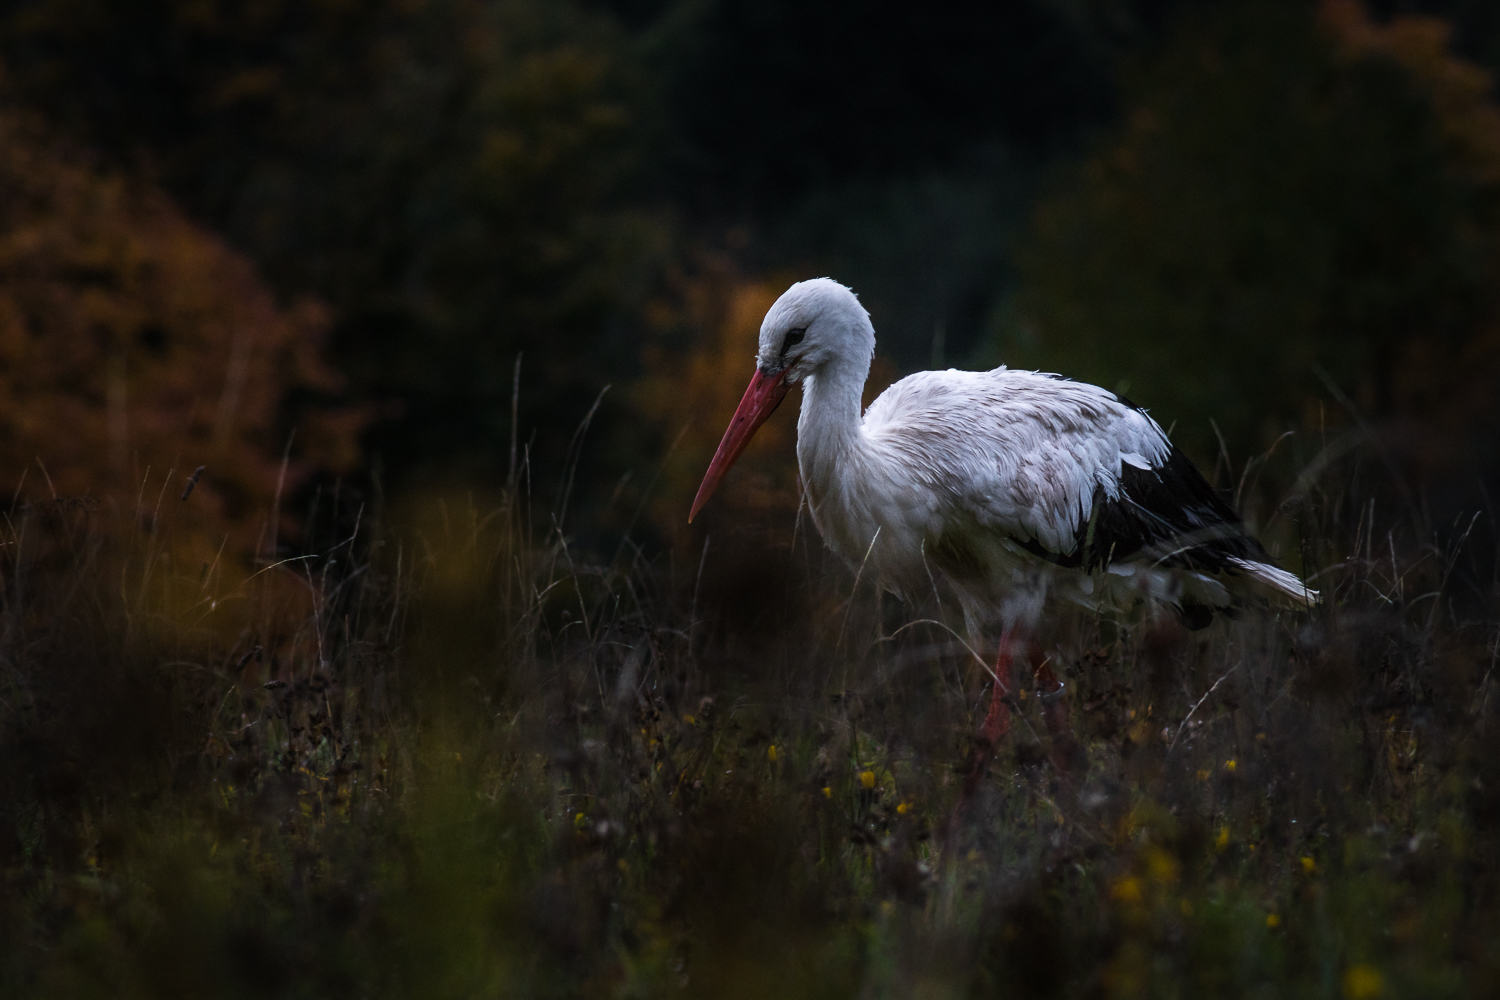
x,y
793,337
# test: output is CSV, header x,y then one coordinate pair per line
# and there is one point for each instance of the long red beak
x,y
764,394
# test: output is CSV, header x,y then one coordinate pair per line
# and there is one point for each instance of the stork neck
x,y
829,429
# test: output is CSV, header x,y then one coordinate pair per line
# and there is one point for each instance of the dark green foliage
x,y
1284,197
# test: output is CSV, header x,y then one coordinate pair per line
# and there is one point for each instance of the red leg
x,y
996,724
1055,714
1050,690
997,720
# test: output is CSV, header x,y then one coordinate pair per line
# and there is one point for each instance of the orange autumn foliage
x,y
1461,93
136,347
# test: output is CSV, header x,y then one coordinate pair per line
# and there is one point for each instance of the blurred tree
x,y
1287,194
135,347
446,174
893,146
1475,24
773,98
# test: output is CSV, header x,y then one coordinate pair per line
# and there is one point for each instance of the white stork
x,y
1009,485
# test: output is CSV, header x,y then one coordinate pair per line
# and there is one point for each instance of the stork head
x,y
814,325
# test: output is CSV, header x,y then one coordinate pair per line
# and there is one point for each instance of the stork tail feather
x,y
1278,579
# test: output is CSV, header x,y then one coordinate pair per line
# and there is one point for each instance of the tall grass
x,y
449,753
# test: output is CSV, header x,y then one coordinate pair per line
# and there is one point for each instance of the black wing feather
x,y
1169,512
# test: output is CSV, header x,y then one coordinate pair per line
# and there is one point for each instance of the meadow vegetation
x,y
448,752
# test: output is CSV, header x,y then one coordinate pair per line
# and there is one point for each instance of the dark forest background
x,y
1268,215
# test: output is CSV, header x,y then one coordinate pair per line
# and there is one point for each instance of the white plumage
x,y
1009,485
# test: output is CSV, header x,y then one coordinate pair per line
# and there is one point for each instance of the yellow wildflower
x,y
689,720
903,809
1272,921
1127,890
1229,766
771,751
1161,866
827,792
867,778
1363,982
1309,865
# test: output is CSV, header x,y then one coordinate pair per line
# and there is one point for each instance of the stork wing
x,y
1072,473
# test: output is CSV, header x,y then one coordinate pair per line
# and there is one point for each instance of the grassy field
x,y
453,755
